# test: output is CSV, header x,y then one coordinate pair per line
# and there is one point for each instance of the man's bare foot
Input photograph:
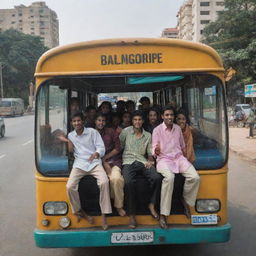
x,y
162,222
186,209
82,215
121,211
153,212
133,223
104,222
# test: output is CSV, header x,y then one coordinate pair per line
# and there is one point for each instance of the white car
x,y
2,127
243,107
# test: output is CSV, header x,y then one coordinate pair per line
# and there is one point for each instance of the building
x,y
194,15
204,12
170,33
185,21
36,19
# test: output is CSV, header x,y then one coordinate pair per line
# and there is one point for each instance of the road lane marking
x,y
2,156
26,143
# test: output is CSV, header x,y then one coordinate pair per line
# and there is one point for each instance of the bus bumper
x,y
99,238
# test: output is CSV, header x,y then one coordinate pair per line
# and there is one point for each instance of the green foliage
x,y
19,54
233,35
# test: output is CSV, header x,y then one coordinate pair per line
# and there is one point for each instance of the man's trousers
x,y
129,172
190,190
116,186
102,181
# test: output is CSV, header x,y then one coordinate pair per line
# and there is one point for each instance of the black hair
x,y
78,114
144,98
106,103
155,110
137,113
168,108
74,99
130,102
89,108
122,102
100,114
157,107
126,112
184,113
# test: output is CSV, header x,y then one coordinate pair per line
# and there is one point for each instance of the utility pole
x,y
1,80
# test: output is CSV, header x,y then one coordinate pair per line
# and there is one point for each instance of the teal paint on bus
x,y
101,238
153,79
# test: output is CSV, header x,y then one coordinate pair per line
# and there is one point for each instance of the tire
x,y
2,131
240,124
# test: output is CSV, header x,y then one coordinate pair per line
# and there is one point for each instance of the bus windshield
x,y
5,103
200,95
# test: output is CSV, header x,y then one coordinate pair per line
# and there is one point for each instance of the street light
x,y
1,80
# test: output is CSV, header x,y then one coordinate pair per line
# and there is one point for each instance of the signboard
x,y
210,91
250,90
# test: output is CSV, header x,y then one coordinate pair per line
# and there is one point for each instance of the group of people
x,y
157,145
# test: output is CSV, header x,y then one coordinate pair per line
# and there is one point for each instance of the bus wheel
x,y
2,132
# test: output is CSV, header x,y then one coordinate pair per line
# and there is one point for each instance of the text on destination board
x,y
139,58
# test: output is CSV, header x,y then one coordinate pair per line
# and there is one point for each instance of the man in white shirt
x,y
88,148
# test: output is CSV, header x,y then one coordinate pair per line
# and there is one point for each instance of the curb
x,y
245,157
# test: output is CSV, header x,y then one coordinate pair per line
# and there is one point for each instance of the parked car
x,y
245,108
2,127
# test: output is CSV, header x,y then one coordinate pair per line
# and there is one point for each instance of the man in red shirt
x,y
112,161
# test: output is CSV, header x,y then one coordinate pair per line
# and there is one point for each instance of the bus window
x,y
206,114
209,102
51,123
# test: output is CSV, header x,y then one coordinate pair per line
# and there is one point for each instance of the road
x,y
17,208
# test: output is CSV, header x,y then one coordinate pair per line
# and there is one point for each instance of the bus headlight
x,y
64,222
55,208
207,205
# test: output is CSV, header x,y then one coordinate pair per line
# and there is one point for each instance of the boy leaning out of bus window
x,y
88,148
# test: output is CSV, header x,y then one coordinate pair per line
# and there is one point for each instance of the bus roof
x,y
133,55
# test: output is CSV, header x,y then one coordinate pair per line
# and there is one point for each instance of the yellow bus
x,y
190,74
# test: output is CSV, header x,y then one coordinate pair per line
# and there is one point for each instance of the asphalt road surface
x,y
17,207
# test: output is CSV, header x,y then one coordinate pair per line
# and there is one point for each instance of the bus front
x,y
191,75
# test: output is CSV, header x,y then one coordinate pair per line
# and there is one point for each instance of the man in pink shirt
x,y
168,146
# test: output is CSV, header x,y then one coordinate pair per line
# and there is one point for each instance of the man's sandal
x,y
82,215
186,209
163,223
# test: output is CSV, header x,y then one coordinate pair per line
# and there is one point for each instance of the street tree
x,y
233,35
19,54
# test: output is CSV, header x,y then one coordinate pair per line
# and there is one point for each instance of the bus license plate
x,y
132,237
210,219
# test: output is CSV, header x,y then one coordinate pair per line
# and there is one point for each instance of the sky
x,y
83,20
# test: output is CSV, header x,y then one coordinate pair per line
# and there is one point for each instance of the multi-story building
x,y
170,33
185,21
36,19
194,15
204,12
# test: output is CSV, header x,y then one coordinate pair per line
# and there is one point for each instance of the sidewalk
x,y
239,144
